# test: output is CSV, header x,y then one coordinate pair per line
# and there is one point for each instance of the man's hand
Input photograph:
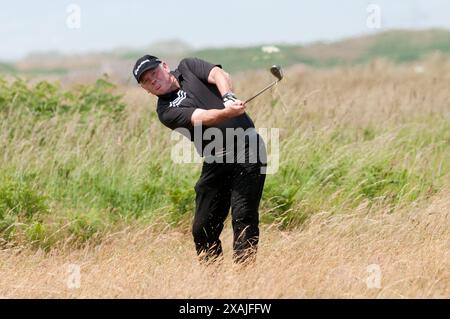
x,y
235,108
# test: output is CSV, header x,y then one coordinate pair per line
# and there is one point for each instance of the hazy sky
x,y
27,26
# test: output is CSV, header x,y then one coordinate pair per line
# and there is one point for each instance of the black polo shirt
x,y
175,108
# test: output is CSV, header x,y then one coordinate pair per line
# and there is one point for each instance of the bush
x,y
21,200
19,204
181,204
47,99
87,225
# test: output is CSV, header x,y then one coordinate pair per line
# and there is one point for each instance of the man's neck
x,y
175,84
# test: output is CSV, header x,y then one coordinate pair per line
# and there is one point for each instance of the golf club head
x,y
277,72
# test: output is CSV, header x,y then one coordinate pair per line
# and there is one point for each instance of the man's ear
x,y
165,66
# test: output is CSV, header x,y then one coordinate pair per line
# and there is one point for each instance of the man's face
x,y
157,81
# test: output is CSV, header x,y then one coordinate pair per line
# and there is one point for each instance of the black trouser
x,y
221,185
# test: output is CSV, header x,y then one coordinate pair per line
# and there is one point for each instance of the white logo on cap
x,y
140,65
143,62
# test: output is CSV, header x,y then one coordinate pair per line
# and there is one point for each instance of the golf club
x,y
276,72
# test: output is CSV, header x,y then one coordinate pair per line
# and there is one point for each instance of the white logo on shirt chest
x,y
181,96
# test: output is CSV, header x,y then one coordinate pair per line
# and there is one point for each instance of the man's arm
x,y
221,79
215,116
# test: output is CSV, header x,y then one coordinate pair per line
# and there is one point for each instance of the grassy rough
x,y
77,164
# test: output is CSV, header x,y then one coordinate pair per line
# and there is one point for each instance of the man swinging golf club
x,y
198,95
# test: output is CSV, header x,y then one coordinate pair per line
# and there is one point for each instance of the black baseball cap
x,y
145,63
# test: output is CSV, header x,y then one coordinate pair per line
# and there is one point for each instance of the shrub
x,y
47,99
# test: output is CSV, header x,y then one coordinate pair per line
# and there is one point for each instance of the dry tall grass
x,y
331,255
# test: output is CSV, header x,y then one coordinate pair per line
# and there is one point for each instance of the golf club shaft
x,y
262,91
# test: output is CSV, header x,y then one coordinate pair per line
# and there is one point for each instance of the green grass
x,y
399,46
253,58
64,175
405,46
7,68
336,174
394,46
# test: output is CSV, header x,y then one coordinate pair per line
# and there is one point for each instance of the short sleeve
x,y
176,117
199,67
